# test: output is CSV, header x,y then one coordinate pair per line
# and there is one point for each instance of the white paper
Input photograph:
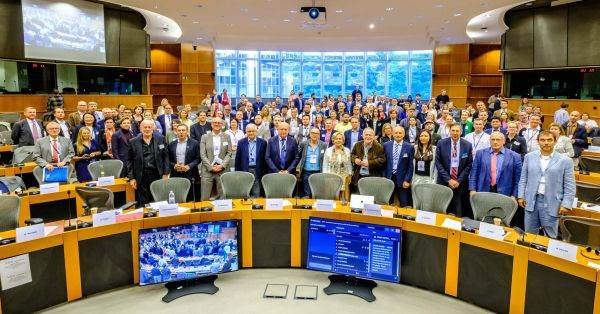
x,y
104,181
372,209
181,210
222,205
157,205
15,271
575,199
49,188
29,233
325,205
166,210
387,213
594,265
104,218
49,229
286,203
274,204
562,250
491,231
425,217
358,201
452,224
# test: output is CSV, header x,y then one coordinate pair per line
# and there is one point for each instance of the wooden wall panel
x,y
549,106
197,73
485,78
451,70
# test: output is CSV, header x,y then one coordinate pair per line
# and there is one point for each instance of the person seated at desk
x,y
53,150
86,151
27,131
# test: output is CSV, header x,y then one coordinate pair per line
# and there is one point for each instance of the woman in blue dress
x,y
87,150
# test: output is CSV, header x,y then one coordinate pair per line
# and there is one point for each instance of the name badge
x,y
325,205
217,161
49,188
104,181
225,143
166,210
29,233
464,156
372,209
426,217
161,146
405,156
222,205
517,144
108,217
420,165
562,250
312,159
454,163
491,231
274,204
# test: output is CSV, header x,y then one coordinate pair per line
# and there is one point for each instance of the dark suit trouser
x,y
460,204
404,195
306,192
144,196
255,191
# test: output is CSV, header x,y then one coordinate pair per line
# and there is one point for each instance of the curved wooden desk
x,y
499,275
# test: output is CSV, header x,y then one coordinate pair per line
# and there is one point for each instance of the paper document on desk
x,y
49,229
452,224
15,271
157,205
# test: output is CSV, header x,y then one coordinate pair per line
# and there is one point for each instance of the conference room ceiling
x,y
356,25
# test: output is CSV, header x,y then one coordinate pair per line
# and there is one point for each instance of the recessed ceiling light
x,y
339,11
389,9
293,11
411,24
439,5
255,19
286,20
371,26
196,22
457,14
199,38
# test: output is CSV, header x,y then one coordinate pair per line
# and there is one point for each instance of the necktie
x,y
454,170
395,159
493,166
54,152
282,154
36,134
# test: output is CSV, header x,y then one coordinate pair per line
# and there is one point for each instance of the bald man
x,y
250,157
576,133
281,151
53,150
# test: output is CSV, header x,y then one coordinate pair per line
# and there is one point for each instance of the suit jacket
x,y
407,135
43,151
273,159
405,164
197,130
500,129
192,158
207,153
507,181
242,157
120,146
69,128
299,103
322,137
301,157
135,163
443,161
22,135
580,137
517,145
161,121
348,136
560,182
375,156
301,130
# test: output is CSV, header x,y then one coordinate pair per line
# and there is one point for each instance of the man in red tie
x,y
53,150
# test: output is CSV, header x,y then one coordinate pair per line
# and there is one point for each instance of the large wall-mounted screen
x,y
67,30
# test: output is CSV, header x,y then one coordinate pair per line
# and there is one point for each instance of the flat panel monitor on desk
x,y
357,253
188,257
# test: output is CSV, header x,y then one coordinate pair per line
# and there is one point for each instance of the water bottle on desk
x,y
171,197
102,170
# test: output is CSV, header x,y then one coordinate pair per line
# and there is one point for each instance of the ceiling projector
x,y
314,12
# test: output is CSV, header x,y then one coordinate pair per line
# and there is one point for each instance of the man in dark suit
x,y
576,133
120,144
148,161
354,135
399,156
303,133
496,169
258,103
356,92
496,126
166,119
453,161
250,157
515,142
199,128
184,156
281,151
327,133
299,101
310,159
59,117
27,131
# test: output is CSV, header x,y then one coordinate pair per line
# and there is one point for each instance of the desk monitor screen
x,y
355,249
187,251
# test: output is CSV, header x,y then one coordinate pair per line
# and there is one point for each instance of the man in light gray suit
x,y
215,154
546,187
53,150
310,156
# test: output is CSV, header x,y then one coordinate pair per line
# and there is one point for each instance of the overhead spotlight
x,y
313,13
371,26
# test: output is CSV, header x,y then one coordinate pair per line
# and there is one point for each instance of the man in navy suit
x,y
184,156
166,119
299,101
353,135
399,165
327,133
258,103
496,169
250,157
496,126
453,161
281,151
27,131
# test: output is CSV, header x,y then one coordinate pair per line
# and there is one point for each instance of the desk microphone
x,y
521,239
193,194
70,227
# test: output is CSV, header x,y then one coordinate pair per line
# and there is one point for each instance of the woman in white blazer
x,y
337,160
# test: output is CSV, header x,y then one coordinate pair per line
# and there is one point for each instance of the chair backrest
x,y
160,189
38,173
23,154
580,230
380,188
277,185
237,184
99,197
325,186
483,202
10,207
111,167
590,164
596,141
10,117
5,127
425,200
588,193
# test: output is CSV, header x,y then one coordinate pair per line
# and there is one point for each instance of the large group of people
x,y
483,148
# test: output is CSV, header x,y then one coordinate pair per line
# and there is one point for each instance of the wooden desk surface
x,y
587,153
7,148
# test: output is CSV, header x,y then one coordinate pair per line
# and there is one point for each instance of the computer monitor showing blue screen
x,y
355,249
187,251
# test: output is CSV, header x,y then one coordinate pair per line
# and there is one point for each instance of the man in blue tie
x,y
399,165
281,151
250,157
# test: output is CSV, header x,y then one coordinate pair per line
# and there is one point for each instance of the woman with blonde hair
x,y
337,161
184,118
86,151
386,134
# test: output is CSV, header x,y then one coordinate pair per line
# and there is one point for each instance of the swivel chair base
x,y
182,288
362,288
